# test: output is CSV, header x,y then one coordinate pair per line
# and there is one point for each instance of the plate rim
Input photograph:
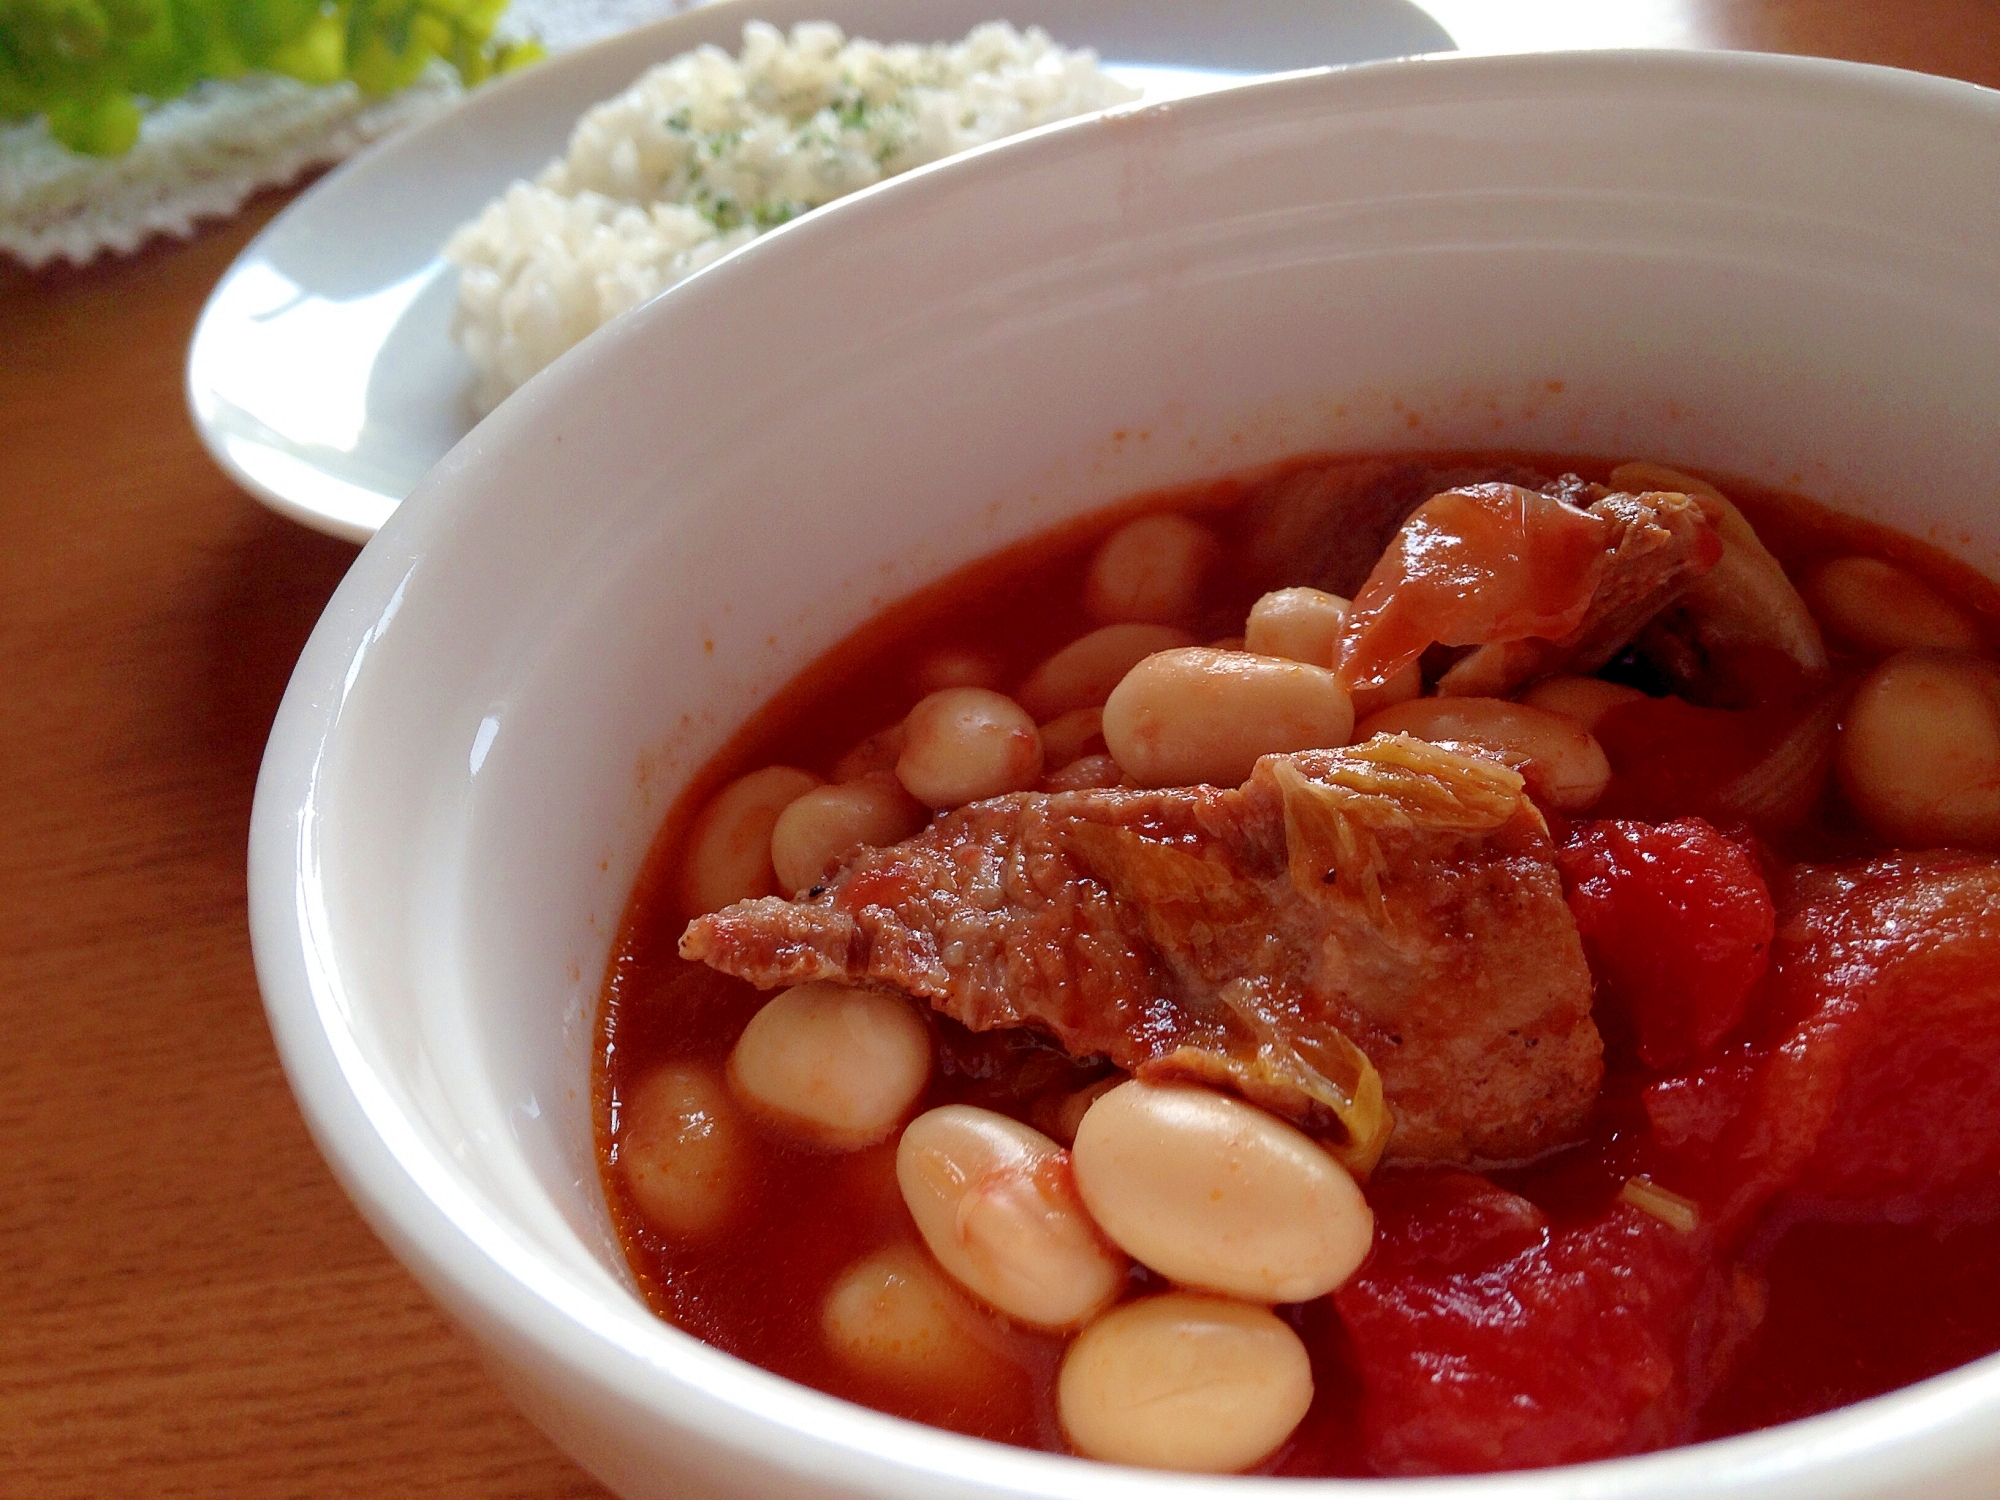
x,y
386,159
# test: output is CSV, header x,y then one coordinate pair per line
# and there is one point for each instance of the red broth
x,y
1854,1309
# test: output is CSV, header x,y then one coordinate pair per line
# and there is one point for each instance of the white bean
x,y
1071,736
1882,608
1058,1115
893,1316
954,666
1084,672
1298,624
830,822
1304,625
1197,715
1184,1382
877,752
834,1066
680,1151
729,846
968,743
996,1203
1216,1194
1561,761
1919,750
1150,570
1084,773
1584,699
1401,688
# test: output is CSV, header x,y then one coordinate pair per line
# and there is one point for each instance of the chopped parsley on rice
x,y
707,151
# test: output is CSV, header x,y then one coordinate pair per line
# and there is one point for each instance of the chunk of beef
x,y
1326,525
1662,547
1488,1338
1740,633
1394,897
1537,584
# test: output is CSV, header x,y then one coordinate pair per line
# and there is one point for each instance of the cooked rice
x,y
707,151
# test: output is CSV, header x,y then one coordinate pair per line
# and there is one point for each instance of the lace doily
x,y
203,155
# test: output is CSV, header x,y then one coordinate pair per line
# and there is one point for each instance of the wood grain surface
x,y
188,1305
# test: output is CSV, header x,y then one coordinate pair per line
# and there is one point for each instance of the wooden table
x,y
188,1306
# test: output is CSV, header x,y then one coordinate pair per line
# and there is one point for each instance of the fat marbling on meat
x,y
1396,897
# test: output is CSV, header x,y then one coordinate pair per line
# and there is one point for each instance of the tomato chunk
x,y
1878,1089
1488,1339
1912,943
1677,924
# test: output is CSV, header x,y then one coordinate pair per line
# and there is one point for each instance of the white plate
x,y
323,377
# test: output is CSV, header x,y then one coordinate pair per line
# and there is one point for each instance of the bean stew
x,y
1379,966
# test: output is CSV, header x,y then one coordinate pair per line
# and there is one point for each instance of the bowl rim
x,y
472,1263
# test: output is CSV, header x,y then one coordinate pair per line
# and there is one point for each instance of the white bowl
x,y
1786,270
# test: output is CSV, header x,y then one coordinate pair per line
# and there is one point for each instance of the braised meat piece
x,y
1539,584
1741,629
1326,525
1385,916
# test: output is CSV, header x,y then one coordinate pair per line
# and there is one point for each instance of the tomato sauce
x,y
1853,1308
